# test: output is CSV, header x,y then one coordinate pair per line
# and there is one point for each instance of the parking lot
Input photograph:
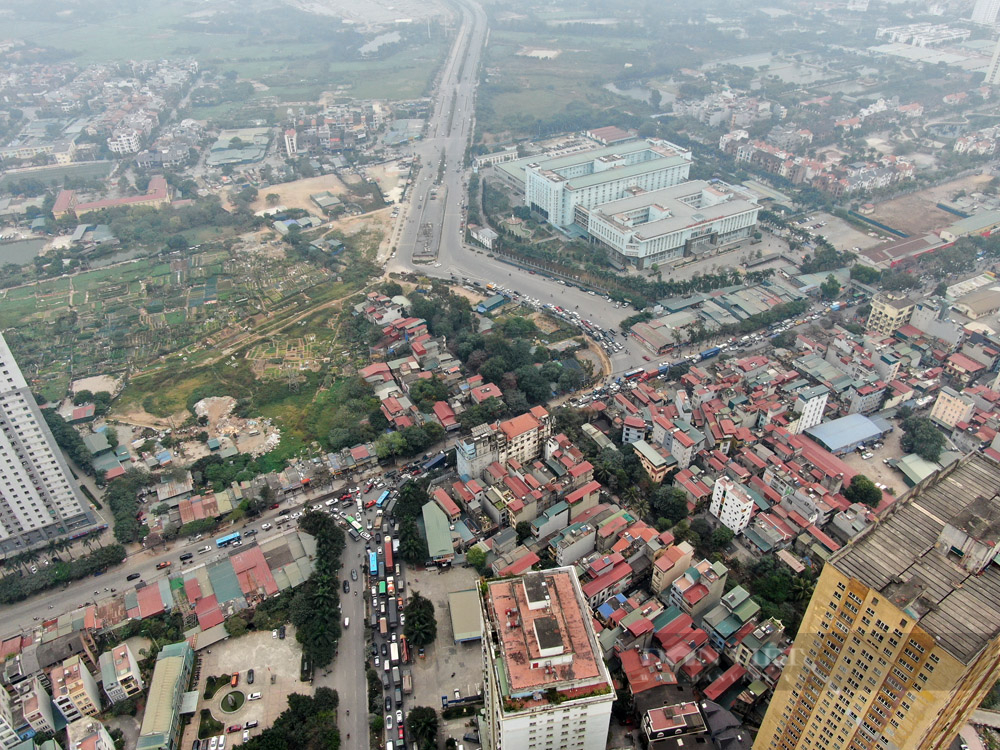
x,y
875,469
448,666
269,658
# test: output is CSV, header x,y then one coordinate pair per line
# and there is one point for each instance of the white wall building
x,y
291,142
538,638
662,226
731,504
125,141
810,405
558,186
38,499
9,738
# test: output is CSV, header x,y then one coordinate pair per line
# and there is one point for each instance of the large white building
x,y
690,219
985,12
731,504
557,187
546,684
38,499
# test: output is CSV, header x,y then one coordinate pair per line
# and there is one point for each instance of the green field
x,y
48,175
295,54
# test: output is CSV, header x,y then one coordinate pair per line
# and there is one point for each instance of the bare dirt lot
x,y
296,194
918,213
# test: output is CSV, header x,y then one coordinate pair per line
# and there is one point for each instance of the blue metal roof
x,y
845,432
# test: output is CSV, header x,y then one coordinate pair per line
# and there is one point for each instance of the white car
x,y
399,717
388,721
253,697
265,526
222,741
213,744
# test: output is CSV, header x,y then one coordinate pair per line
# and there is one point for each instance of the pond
x,y
20,251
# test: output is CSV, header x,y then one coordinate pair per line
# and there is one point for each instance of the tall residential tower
x,y
547,687
901,639
38,500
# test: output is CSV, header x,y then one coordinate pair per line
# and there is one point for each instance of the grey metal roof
x,y
898,557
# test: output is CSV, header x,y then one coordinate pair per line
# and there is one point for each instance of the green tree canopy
x,y
863,490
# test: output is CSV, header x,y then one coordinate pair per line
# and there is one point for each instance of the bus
x,y
225,541
381,499
388,554
633,374
355,524
372,565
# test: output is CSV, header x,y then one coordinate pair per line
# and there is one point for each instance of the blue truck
x,y
709,353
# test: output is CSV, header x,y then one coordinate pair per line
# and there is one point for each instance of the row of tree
x,y
315,607
309,723
122,497
17,584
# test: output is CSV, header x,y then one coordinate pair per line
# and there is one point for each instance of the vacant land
x,y
540,86
296,194
917,213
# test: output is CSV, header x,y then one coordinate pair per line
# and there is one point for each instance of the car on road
x,y
249,677
388,721
250,532
378,662
133,576
399,716
186,556
388,703
400,732
347,587
354,574
164,564
254,697
385,650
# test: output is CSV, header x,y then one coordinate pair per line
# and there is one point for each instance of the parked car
x,y
186,556
254,697
234,680
250,724
235,728
249,677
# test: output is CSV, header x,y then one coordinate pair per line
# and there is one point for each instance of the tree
x,y
920,436
421,624
721,537
941,289
830,288
236,626
272,199
523,530
477,559
422,721
863,490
